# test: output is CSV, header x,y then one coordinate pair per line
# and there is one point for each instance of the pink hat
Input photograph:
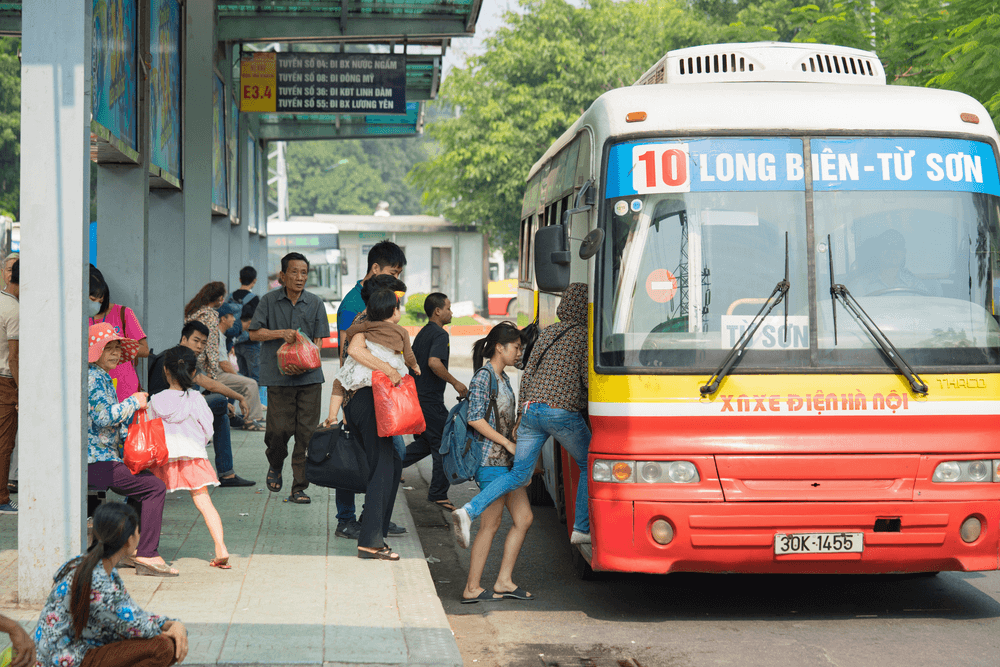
x,y
103,333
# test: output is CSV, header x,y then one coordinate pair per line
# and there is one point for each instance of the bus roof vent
x,y
766,61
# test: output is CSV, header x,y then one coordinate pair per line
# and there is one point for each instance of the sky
x,y
489,20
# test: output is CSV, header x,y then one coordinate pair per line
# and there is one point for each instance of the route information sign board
x,y
369,83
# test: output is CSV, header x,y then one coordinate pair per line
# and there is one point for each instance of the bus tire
x,y
581,567
512,308
537,493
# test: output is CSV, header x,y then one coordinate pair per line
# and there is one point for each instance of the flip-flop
x,y
485,596
516,594
273,480
221,563
445,504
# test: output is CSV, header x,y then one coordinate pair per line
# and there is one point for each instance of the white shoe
x,y
463,525
579,538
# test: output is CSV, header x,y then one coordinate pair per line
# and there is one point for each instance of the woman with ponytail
x,y
187,423
492,409
90,620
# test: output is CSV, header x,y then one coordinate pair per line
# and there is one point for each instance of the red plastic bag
x,y
397,410
146,444
302,353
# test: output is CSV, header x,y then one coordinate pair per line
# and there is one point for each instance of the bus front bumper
x,y
740,537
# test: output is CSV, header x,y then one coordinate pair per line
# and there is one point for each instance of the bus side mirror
x,y
552,259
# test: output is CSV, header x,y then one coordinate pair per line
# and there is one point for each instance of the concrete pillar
x,y
196,148
165,267
55,207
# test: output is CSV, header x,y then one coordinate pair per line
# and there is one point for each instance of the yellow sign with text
x,y
258,80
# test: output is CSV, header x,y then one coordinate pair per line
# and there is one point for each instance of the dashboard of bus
x,y
698,231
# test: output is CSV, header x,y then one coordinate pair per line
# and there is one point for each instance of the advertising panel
x,y
113,68
219,181
165,86
233,148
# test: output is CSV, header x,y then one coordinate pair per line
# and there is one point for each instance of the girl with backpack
x,y
491,415
187,423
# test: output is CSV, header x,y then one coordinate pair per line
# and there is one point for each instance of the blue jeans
x,y
221,439
248,359
537,424
346,508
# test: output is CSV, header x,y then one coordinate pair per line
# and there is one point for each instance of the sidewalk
x,y
297,595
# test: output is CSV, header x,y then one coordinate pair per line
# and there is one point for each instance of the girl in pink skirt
x,y
187,422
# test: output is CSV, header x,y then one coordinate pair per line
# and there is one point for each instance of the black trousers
x,y
429,442
380,495
291,411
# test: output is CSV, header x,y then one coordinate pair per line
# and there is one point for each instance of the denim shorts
x,y
487,474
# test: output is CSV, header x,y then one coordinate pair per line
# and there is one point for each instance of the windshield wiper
x,y
841,292
777,296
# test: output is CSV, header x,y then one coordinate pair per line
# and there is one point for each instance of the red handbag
x,y
397,409
146,444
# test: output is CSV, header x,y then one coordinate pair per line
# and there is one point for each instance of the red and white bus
x,y
795,349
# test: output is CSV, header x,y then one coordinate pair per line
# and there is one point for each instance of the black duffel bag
x,y
335,459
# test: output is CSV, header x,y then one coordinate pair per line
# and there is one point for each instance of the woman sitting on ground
x,y
90,620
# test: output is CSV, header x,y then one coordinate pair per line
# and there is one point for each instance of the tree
x,y
10,127
538,73
352,177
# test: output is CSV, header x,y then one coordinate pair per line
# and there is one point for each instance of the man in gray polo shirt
x,y
293,400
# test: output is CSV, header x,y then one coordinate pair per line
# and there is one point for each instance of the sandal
x,y
385,553
485,596
445,504
516,594
221,563
154,570
253,426
273,480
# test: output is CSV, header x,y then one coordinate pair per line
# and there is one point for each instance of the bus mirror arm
x,y
888,349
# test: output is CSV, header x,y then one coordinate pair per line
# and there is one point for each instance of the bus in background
x,y
794,347
320,243
501,290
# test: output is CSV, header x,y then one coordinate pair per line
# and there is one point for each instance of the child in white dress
x,y
187,423
384,339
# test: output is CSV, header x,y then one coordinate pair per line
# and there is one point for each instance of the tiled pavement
x,y
297,595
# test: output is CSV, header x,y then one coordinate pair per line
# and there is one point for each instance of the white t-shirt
x,y
9,330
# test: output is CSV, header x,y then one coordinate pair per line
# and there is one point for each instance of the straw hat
x,y
103,333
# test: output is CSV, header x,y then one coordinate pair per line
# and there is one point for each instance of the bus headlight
x,y
967,471
682,472
645,472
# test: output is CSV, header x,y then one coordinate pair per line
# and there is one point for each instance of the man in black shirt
x,y
431,347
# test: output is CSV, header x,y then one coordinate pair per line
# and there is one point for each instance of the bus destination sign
x,y
342,83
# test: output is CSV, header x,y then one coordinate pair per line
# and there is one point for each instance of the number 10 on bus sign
x,y
660,168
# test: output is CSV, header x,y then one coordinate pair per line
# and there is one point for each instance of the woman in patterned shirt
x,y
492,410
90,620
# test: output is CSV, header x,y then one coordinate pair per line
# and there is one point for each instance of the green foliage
x,y
352,177
415,306
538,73
10,127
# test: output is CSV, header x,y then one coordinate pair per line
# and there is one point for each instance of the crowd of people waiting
x,y
219,361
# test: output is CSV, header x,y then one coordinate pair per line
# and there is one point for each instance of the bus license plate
x,y
818,543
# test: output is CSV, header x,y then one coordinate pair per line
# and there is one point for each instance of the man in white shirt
x,y
9,357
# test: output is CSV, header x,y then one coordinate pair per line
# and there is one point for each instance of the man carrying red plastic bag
x,y
299,356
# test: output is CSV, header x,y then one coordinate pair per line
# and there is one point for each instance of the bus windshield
x,y
697,237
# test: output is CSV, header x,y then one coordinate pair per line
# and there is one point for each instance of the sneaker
x,y
349,529
8,508
462,524
579,538
235,480
396,530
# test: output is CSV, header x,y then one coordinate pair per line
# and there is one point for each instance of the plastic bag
x,y
397,410
302,353
146,444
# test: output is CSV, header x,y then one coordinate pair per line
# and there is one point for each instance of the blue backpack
x,y
461,453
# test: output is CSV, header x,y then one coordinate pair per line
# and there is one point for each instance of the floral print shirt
x,y
208,360
114,616
109,419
